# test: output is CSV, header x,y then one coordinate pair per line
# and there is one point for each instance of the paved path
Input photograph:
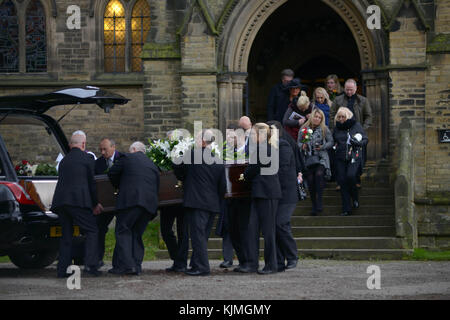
x,y
312,279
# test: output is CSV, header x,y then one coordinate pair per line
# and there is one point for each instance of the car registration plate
x,y
57,231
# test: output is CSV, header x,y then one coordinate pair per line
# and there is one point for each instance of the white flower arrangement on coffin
x,y
163,151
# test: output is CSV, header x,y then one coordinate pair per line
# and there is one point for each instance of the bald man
x,y
75,202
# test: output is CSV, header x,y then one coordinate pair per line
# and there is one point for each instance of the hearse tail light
x,y
19,193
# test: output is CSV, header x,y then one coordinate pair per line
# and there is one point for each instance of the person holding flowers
x,y
315,140
349,137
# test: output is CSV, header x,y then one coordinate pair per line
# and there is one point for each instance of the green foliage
x,y
45,169
427,255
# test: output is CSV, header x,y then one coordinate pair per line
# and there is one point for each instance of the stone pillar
x,y
199,100
225,101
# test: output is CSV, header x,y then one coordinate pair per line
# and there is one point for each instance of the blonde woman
x,y
333,86
349,138
317,162
297,114
266,192
322,100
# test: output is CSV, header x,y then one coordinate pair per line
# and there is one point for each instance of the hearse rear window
x,y
29,142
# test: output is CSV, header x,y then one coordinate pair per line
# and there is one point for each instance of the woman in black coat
x,y
265,194
349,137
289,172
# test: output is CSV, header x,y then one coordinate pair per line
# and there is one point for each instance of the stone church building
x,y
216,60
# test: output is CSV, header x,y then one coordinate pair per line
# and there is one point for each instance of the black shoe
x,y
245,270
313,213
266,271
191,272
281,269
226,264
355,204
176,269
291,264
131,271
346,213
91,273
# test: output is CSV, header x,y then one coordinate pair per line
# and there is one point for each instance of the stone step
x,y
364,201
344,231
336,210
338,231
340,254
332,243
383,192
318,221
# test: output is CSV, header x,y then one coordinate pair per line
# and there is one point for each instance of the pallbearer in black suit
x,y
262,172
204,186
109,156
75,202
288,175
137,179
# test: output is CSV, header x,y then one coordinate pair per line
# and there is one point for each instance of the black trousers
x,y
286,245
130,226
85,219
200,225
263,218
316,183
347,174
103,221
167,218
238,212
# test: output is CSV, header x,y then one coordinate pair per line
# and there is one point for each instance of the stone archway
x,y
239,33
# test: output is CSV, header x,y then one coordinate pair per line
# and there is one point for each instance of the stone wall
x,y
433,211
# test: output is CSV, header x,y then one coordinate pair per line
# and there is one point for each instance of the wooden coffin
x,y
235,187
170,189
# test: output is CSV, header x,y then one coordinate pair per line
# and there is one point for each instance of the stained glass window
x,y
35,40
9,37
140,25
115,37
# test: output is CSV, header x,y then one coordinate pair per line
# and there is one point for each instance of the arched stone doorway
x,y
251,55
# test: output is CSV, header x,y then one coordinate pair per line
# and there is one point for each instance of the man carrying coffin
x,y
137,178
109,156
204,186
75,201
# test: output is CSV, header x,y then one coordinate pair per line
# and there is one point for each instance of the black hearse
x,y
28,230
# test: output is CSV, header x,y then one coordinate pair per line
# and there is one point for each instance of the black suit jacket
x,y
263,186
287,173
137,178
76,186
101,165
204,185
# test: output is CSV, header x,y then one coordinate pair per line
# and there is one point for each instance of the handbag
x,y
301,191
312,161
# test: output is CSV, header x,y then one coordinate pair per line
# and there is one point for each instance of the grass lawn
x,y
150,238
427,255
